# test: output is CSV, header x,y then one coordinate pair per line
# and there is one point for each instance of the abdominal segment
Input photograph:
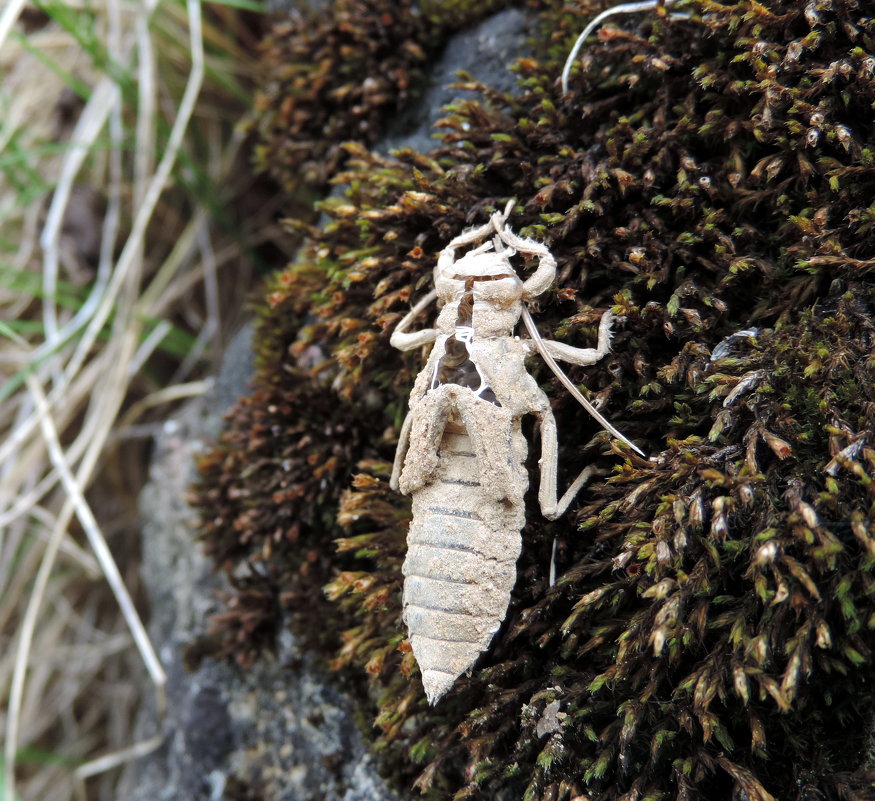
x,y
462,549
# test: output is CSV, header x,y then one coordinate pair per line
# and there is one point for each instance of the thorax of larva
x,y
487,320
481,293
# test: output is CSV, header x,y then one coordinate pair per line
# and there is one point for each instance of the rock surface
x,y
485,52
281,730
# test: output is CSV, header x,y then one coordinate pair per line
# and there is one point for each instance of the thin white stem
x,y
9,16
105,301
623,8
211,283
169,394
148,347
69,547
95,537
106,95
144,152
109,761
153,192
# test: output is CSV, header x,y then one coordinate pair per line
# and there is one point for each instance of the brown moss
x,y
336,75
711,630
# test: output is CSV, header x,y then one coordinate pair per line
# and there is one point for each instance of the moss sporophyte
x,y
707,178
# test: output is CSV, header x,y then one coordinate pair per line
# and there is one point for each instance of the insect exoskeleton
x,y
461,454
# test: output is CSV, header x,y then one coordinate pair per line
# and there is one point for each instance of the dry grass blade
x,y
7,20
120,170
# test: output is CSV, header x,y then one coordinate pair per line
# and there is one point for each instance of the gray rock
x,y
281,728
485,52
281,9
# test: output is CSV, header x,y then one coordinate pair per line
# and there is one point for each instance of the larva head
x,y
483,264
491,260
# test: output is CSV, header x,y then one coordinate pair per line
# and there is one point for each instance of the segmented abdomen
x,y
462,549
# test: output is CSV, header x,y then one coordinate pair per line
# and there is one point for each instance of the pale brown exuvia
x,y
461,454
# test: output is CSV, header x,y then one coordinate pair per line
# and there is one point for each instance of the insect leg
x,y
545,272
401,451
566,382
403,340
584,356
551,508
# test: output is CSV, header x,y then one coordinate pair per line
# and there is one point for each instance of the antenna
x,y
623,8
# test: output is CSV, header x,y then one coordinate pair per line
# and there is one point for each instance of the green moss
x,y
711,629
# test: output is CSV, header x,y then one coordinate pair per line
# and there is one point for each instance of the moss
x,y
710,633
336,75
